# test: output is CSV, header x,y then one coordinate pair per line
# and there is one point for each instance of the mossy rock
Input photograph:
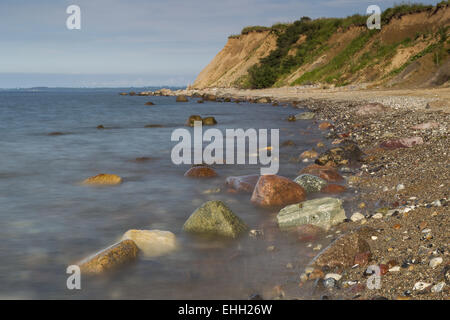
x,y
215,218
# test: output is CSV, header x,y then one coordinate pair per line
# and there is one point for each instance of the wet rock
x,y
209,121
143,159
103,179
288,143
123,93
192,119
149,103
214,217
118,254
242,183
200,101
132,93
370,109
310,183
357,216
100,126
182,98
57,133
333,189
309,154
362,259
263,100
154,126
342,252
323,212
277,191
209,97
152,243
305,116
329,283
325,172
426,126
342,155
325,126
401,143
200,172
308,232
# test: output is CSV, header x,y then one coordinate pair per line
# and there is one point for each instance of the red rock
x,y
401,143
277,191
331,175
384,269
325,126
242,183
200,172
362,258
333,188
308,232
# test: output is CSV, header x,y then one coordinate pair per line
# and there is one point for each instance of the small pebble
x,y
400,187
435,262
357,216
377,216
420,286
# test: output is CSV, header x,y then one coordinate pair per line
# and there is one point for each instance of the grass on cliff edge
x,y
279,63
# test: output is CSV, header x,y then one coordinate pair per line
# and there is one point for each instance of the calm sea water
x,y
49,221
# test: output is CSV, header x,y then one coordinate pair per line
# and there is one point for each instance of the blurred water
x,y
49,221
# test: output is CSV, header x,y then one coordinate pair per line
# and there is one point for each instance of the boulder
x,y
401,143
305,116
152,243
182,98
342,155
209,121
370,109
310,183
103,179
200,172
342,252
323,212
333,188
214,217
118,254
192,119
277,191
242,183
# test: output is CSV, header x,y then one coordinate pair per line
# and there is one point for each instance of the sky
x,y
126,43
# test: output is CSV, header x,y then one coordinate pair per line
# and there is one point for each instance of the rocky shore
x,y
389,151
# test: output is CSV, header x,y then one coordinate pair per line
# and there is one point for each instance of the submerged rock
x,y
103,179
323,212
243,183
310,183
333,188
342,155
342,252
277,191
214,217
182,98
200,172
309,154
118,254
209,121
149,103
152,243
309,232
327,173
305,116
192,119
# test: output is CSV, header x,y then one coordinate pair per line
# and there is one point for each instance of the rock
x,y
132,93
400,187
154,126
334,276
123,93
438,287
242,183
152,243
309,154
325,126
370,109
329,283
421,286
310,183
362,259
277,191
149,103
143,159
288,143
182,98
325,172
214,217
323,212
342,252
401,143
435,262
209,97
333,189
200,101
343,155
192,119
100,127
378,215
305,116
263,100
357,216
308,232
103,179
200,172
120,253
57,133
426,126
209,121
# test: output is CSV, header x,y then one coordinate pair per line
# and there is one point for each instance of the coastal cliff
x,y
412,49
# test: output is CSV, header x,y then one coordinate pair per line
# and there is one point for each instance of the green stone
x,y
214,217
310,183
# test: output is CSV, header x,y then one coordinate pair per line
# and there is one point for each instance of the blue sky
x,y
135,42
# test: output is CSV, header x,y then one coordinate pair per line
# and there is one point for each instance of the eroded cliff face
x,y
239,54
407,52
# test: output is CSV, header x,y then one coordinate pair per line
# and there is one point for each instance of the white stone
x,y
419,286
152,243
357,216
374,238
400,187
435,262
394,269
335,276
438,287
377,216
